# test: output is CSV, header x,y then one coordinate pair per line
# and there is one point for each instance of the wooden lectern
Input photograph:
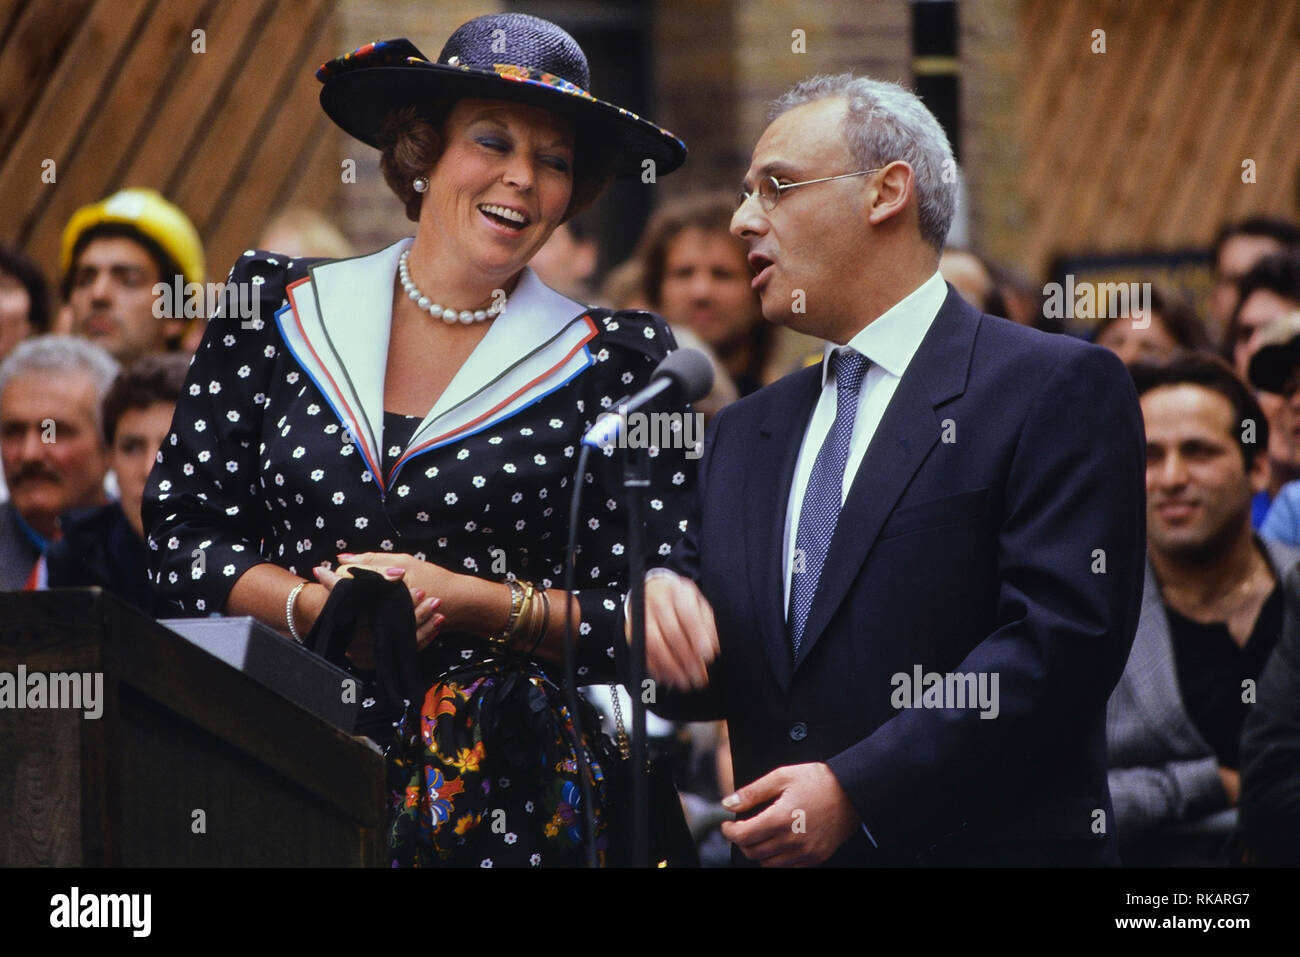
x,y
190,763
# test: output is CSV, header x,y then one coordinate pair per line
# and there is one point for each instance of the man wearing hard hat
x,y
114,253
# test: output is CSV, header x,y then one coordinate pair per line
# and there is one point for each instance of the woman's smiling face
x,y
501,185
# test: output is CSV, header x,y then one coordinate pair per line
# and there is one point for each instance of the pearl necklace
x,y
466,316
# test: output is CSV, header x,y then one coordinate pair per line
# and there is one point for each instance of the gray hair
x,y
885,123
45,355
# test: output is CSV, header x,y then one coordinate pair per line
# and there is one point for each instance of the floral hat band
x,y
545,67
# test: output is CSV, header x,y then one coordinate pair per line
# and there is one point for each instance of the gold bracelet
x,y
545,623
528,620
524,626
501,642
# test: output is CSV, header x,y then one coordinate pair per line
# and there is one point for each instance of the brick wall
x,y
989,45
696,90
869,38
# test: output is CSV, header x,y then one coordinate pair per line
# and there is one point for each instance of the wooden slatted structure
x,y
114,92
1142,146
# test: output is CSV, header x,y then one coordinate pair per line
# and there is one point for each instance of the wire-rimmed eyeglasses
x,y
770,190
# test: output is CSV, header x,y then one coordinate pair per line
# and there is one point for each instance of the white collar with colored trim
x,y
344,309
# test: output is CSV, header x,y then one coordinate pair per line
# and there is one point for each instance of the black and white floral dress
x,y
281,451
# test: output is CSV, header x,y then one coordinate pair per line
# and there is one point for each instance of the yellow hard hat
x,y
155,217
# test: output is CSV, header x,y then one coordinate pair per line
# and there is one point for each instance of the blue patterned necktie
x,y
821,501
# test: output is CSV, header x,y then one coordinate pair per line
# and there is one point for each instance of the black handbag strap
x,y
367,598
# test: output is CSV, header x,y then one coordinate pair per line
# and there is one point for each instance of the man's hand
x,y
681,638
809,818
1231,784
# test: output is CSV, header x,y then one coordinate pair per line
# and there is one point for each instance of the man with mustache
x,y
114,253
51,444
104,545
1212,610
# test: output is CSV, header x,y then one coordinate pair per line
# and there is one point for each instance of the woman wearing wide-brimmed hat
x,y
419,410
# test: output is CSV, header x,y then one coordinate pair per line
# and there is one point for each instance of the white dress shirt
x,y
889,343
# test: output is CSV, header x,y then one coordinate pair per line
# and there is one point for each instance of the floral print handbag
x,y
483,766
487,774
482,762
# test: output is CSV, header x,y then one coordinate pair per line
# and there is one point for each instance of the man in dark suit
x,y
923,557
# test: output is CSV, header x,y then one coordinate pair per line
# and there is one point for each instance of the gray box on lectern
x,y
279,663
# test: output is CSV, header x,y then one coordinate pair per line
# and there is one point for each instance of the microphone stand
x,y
636,479
691,373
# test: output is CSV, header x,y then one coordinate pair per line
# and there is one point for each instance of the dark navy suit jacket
x,y
996,525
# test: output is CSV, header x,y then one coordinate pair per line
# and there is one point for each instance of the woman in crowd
x,y
419,411
697,275
1166,326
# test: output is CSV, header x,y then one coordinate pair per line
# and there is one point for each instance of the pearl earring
x,y
420,184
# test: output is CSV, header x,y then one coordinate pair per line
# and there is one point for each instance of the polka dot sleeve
x,y
196,509
626,355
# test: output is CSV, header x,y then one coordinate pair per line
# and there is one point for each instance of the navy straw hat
x,y
505,56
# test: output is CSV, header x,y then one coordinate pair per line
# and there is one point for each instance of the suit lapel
x,y
1155,678
1152,665
768,494
908,431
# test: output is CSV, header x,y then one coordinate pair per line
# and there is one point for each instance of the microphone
x,y
685,375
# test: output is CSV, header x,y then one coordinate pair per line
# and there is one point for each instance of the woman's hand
x,y
470,605
427,620
458,594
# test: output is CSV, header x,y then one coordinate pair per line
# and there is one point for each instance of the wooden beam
x,y
115,130
66,106
245,203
